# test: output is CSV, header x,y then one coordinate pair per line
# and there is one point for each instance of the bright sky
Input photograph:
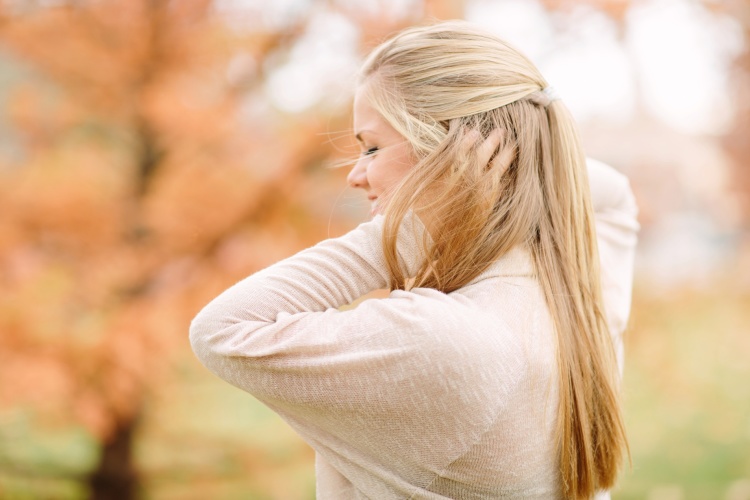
x,y
672,54
672,51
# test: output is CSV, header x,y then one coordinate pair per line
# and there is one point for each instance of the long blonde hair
x,y
436,84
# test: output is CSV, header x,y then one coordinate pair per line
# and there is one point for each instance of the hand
x,y
492,151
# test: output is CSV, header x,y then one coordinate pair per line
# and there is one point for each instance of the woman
x,y
489,371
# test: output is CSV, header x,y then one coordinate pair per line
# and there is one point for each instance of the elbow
x,y
199,334
629,202
211,347
630,207
214,338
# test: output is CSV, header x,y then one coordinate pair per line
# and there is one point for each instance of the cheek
x,y
383,177
388,170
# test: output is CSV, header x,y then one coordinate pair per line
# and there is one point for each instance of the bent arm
x,y
355,384
260,316
617,228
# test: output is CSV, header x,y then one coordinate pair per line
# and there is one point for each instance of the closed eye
x,y
370,151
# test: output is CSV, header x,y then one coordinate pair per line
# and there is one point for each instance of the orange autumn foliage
x,y
138,186
140,191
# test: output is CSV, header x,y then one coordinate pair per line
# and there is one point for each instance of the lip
x,y
374,207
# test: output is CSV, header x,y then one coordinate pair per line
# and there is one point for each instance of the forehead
x,y
364,115
366,118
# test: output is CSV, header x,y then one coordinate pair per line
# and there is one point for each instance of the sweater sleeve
x,y
617,228
356,384
278,334
248,317
331,274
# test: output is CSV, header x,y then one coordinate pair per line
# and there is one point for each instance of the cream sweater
x,y
420,394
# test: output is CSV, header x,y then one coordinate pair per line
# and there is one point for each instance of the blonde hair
x,y
436,84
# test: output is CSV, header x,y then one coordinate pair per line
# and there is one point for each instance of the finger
x,y
470,141
502,160
489,146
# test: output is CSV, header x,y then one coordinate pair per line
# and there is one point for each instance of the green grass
x,y
687,403
687,397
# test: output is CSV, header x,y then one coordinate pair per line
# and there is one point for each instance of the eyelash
x,y
370,151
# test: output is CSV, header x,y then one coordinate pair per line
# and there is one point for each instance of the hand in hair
x,y
492,151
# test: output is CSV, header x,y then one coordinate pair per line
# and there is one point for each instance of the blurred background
x,y
153,152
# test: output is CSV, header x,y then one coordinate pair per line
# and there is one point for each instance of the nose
x,y
357,177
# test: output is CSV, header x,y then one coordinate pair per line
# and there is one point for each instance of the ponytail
x,y
433,85
590,426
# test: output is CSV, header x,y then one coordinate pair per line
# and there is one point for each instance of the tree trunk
x,y
115,477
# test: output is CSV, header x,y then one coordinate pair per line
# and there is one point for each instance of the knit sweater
x,y
420,395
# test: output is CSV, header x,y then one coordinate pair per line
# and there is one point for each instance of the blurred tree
x,y
736,141
153,173
616,9
444,9
139,180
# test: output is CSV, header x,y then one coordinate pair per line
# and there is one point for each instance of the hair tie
x,y
544,97
551,93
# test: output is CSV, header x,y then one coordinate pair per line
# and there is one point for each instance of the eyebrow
x,y
358,135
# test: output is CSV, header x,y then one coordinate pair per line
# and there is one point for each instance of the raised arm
x,y
331,274
356,384
617,228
